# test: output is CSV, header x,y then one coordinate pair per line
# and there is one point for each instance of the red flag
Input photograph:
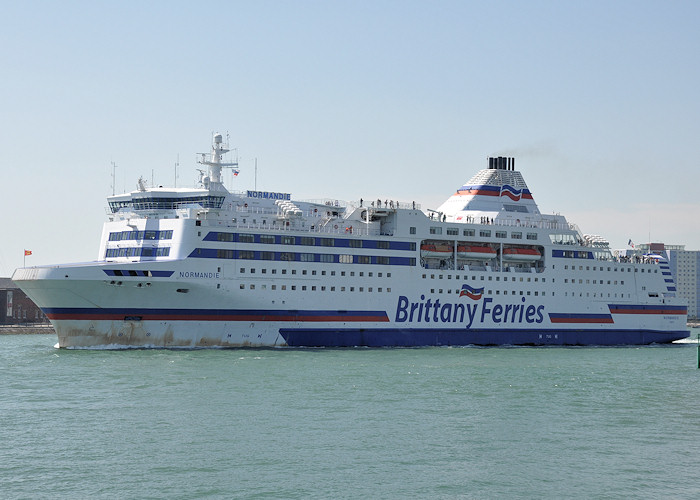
x,y
27,252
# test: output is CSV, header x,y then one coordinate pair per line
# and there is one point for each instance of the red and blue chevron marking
x,y
505,190
472,293
139,314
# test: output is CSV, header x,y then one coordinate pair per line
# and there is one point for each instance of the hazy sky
x,y
598,102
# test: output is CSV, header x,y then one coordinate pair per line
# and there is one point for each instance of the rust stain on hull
x,y
134,334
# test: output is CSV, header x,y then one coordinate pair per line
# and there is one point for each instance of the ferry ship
x,y
207,267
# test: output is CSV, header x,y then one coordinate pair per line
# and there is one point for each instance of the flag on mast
x,y
27,252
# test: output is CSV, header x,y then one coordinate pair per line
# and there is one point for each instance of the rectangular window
x,y
307,241
267,255
227,254
435,230
452,231
306,257
468,232
246,238
531,236
345,259
287,240
501,234
242,254
516,236
267,238
485,233
327,242
355,243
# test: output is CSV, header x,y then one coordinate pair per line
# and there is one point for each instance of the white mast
x,y
213,161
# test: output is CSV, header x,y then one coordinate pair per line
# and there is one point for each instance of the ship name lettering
x,y
197,274
269,195
429,311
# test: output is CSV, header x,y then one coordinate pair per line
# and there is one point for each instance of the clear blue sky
x,y
597,100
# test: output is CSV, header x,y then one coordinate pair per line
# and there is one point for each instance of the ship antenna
x,y
114,178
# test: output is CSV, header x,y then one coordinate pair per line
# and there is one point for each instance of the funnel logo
x,y
472,293
511,192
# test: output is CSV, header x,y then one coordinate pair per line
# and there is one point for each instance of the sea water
x,y
348,423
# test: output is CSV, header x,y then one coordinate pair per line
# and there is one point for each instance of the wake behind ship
x,y
205,267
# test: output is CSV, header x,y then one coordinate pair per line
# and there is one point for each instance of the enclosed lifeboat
x,y
429,250
475,252
521,254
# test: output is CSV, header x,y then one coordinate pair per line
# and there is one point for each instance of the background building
x,y
16,307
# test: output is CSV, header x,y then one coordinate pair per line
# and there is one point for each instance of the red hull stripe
x,y
578,318
89,314
638,309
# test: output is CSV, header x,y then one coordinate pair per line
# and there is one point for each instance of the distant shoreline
x,y
26,329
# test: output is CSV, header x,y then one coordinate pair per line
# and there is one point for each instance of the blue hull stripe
x,y
405,337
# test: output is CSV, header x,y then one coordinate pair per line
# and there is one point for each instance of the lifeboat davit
x,y
436,251
521,254
474,252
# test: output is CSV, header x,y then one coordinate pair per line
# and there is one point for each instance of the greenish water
x,y
355,423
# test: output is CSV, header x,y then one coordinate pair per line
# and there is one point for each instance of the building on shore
x,y
16,307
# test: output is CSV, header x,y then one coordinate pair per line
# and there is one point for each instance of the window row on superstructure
x,y
141,235
483,233
329,258
157,203
275,239
613,269
138,252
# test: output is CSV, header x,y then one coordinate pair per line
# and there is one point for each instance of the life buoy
x,y
335,227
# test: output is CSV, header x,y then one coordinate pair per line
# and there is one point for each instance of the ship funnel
x,y
501,163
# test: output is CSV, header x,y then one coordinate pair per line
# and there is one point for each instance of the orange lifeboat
x,y
436,251
521,254
475,252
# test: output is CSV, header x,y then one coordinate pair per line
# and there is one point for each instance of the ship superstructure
x,y
206,267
